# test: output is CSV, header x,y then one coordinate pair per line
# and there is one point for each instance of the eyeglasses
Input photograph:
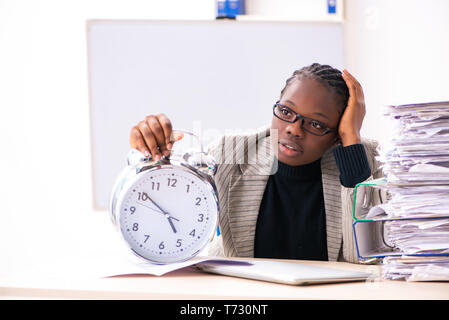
x,y
312,126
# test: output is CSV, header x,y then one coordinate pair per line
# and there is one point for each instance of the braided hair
x,y
326,75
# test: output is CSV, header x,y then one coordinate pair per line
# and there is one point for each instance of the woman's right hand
x,y
154,136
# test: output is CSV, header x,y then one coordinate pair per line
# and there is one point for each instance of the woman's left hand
x,y
352,118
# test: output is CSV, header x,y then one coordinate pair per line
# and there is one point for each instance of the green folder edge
x,y
375,182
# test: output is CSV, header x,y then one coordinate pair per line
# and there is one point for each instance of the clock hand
x,y
167,215
171,224
162,210
150,207
159,211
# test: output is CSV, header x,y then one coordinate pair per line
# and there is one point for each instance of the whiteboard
x,y
209,77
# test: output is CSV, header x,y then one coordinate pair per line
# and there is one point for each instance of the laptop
x,y
281,272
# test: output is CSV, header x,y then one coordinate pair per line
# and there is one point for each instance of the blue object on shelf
x,y
331,6
230,8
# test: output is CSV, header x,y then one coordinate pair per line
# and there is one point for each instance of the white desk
x,y
188,283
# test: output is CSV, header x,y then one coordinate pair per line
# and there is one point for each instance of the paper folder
x,y
372,241
371,235
366,195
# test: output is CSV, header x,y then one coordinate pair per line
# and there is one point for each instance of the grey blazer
x,y
245,162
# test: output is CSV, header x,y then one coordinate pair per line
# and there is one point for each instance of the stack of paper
x,y
419,149
418,236
416,165
413,201
417,268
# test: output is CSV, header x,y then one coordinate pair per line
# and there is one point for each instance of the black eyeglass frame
x,y
298,116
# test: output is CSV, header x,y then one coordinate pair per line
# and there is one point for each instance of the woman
x,y
295,202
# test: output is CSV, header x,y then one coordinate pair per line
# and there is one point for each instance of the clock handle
x,y
191,134
135,156
200,160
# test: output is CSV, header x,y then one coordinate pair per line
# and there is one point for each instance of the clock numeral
x,y
132,209
147,236
172,182
143,196
192,233
188,188
198,201
155,185
162,245
135,226
179,243
201,217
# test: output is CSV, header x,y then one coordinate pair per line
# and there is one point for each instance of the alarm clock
x,y
166,211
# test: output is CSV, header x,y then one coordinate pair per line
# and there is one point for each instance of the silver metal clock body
x,y
166,211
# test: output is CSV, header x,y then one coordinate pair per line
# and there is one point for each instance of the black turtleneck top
x,y
292,218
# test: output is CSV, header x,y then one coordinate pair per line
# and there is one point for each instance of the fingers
x,y
145,128
152,136
355,89
158,135
166,127
175,136
137,141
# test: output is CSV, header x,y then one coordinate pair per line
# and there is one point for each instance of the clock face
x,y
168,214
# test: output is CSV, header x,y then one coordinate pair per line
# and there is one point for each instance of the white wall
x,y
399,52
